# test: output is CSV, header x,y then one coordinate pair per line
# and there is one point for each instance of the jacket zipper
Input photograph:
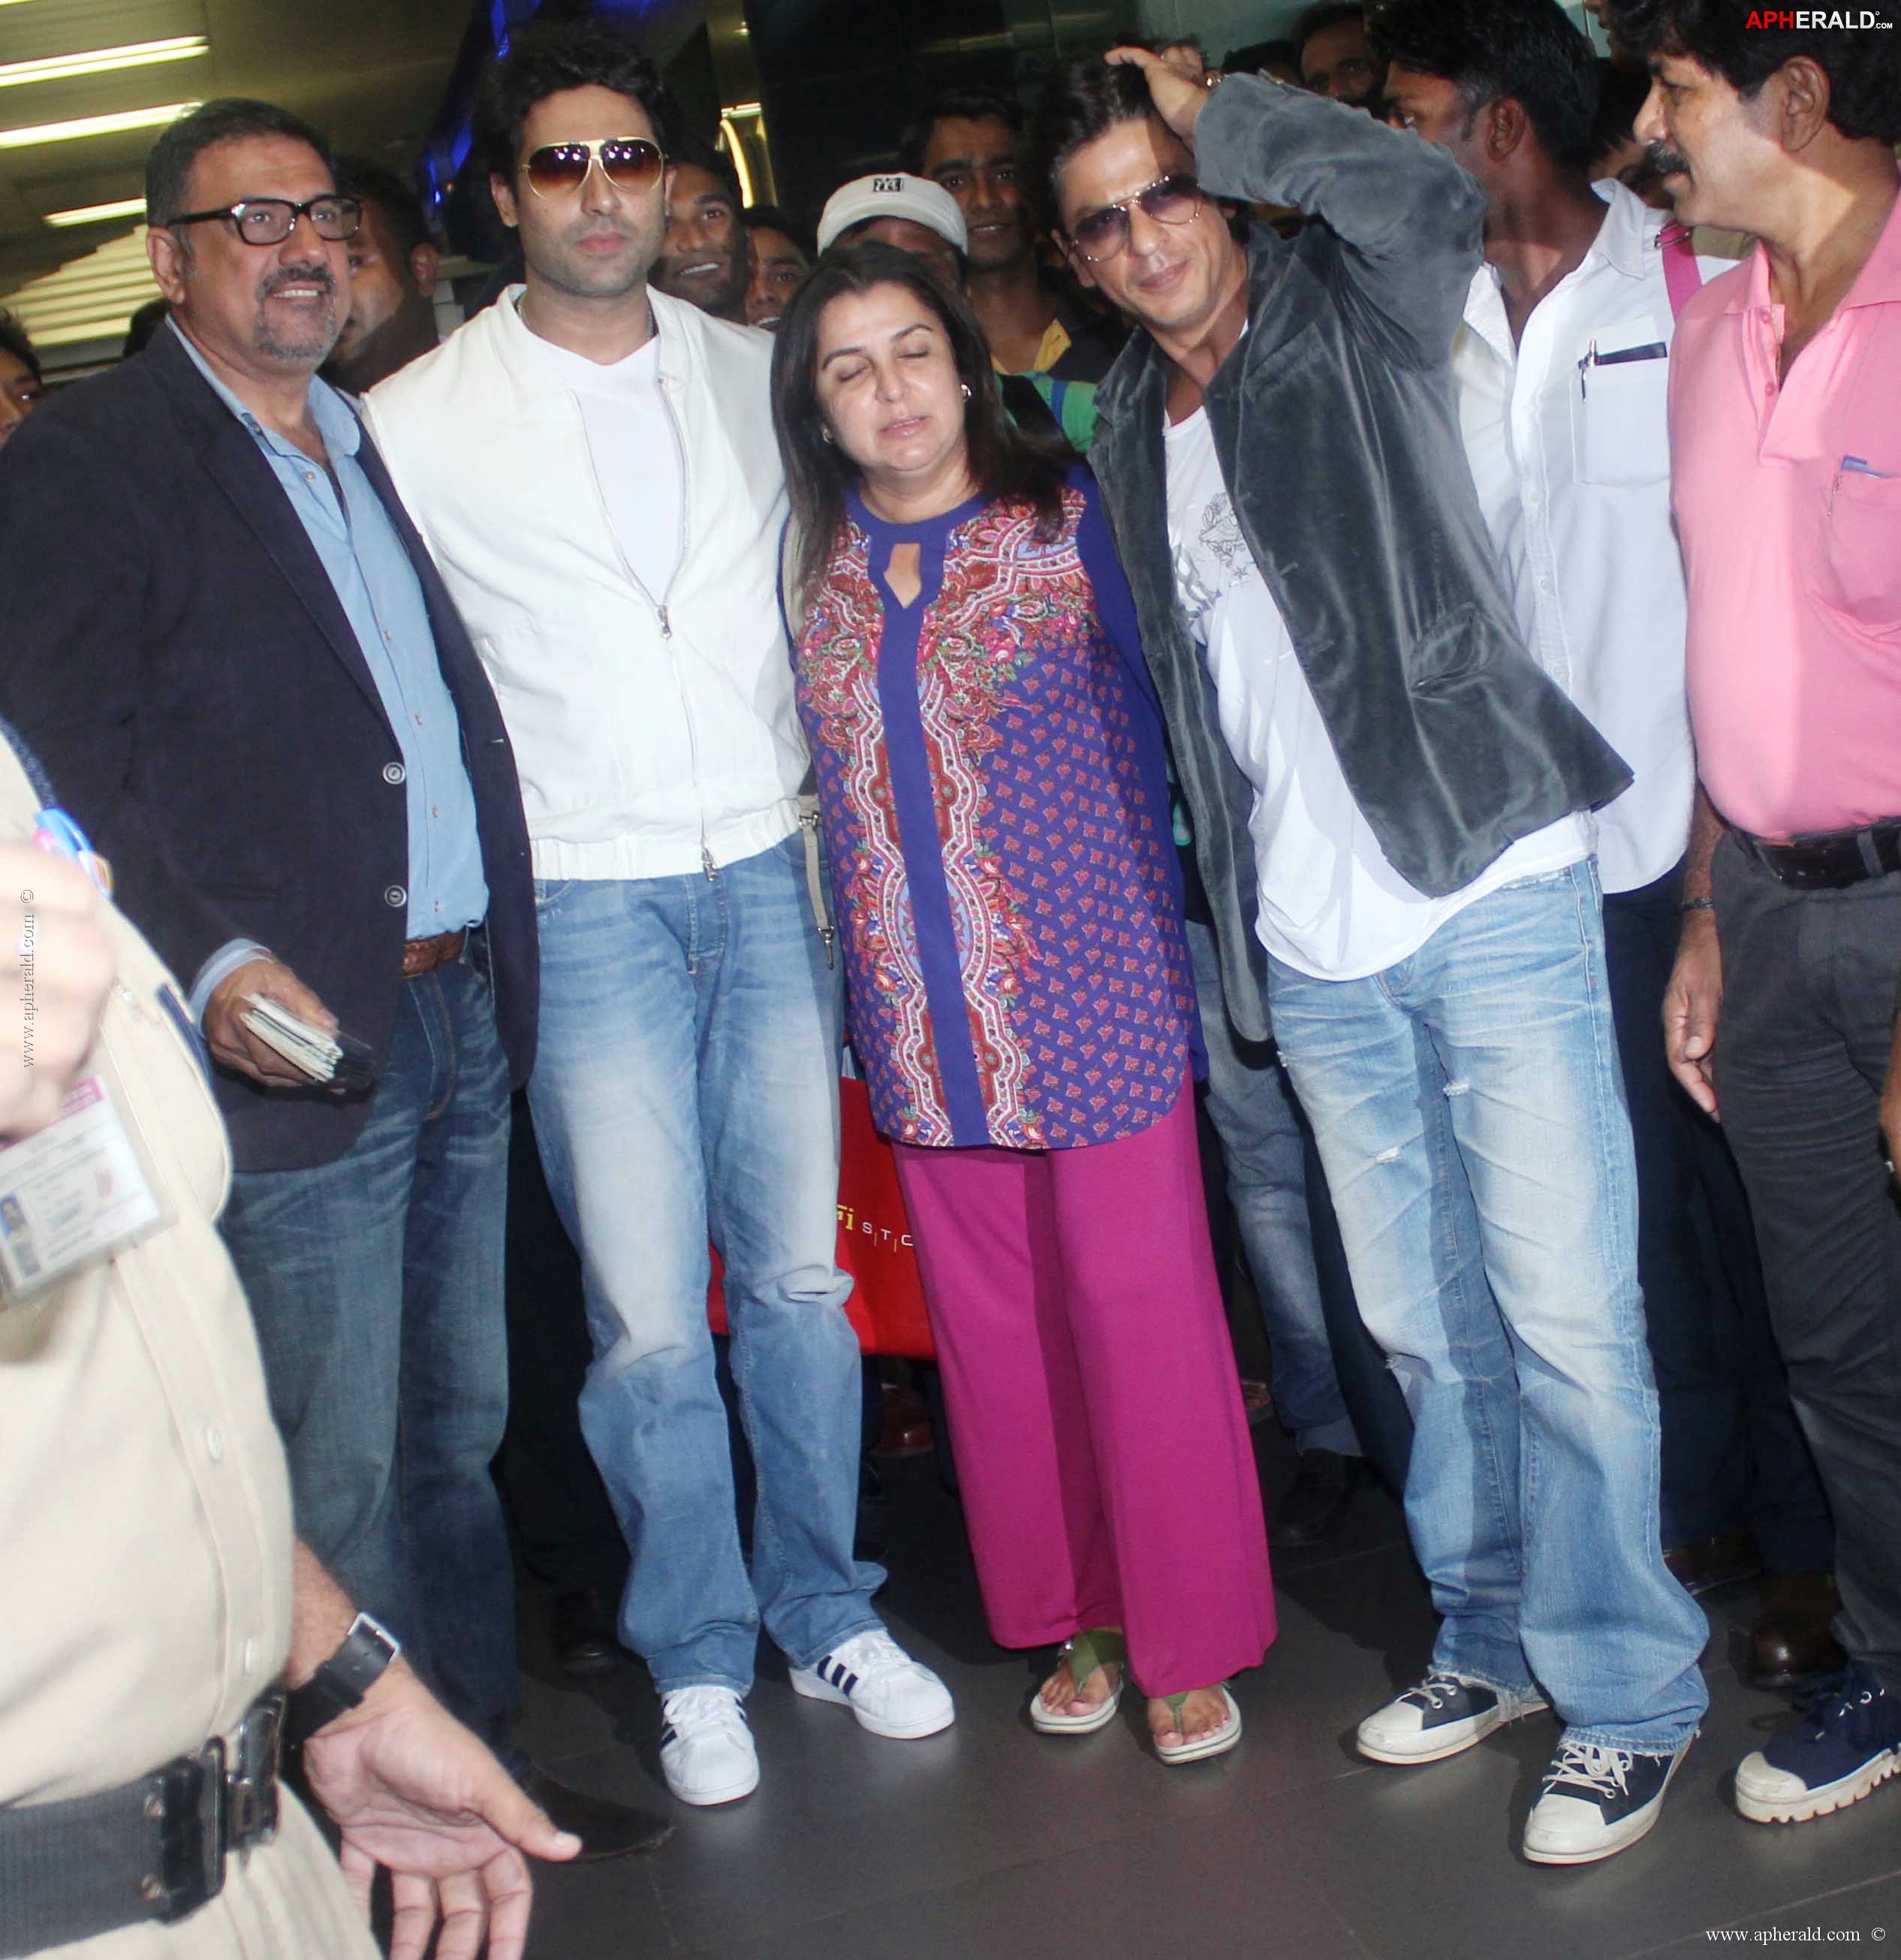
x,y
707,863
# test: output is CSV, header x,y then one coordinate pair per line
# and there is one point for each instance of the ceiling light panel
x,y
103,61
93,126
97,213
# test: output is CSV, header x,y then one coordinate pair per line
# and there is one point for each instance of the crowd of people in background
x,y
1331,613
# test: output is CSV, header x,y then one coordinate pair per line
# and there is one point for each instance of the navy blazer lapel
x,y
230,454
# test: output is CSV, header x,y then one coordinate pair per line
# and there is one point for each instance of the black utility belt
x,y
152,1850
1827,859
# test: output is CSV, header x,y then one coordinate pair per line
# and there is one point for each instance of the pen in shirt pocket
x,y
1855,466
1651,350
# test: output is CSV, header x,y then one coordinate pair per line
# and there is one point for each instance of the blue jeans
x,y
1264,1150
376,1284
1533,1495
687,1087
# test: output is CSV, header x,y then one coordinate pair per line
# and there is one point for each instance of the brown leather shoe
x,y
907,1429
1724,1560
1790,1644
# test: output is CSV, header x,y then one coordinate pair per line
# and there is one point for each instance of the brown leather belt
x,y
424,956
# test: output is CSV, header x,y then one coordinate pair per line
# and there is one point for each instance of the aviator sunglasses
x,y
1173,200
628,163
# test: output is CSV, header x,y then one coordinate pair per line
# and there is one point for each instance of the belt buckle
x,y
250,1787
187,1803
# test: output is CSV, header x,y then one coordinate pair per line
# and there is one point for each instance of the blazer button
x,y
395,896
393,772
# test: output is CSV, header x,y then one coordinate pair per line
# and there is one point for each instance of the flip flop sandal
x,y
1215,1742
1095,1647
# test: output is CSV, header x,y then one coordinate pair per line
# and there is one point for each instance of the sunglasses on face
x,y
1168,201
628,163
269,220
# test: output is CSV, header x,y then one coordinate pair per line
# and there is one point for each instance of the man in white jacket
x,y
592,465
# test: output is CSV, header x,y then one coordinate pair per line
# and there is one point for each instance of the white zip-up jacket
x,y
654,732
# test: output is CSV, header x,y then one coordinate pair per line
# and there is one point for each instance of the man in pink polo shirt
x,y
1785,429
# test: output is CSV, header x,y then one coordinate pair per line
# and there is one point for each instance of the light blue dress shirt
x,y
382,598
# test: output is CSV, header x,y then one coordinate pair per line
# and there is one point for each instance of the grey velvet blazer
x,y
1335,425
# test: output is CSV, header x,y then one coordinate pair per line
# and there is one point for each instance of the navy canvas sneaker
x,y
1848,1741
1596,1801
1439,1718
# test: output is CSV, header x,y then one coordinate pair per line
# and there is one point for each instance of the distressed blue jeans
x,y
687,1088
1533,1494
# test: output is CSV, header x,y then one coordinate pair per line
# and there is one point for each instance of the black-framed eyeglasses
x,y
628,163
269,220
1171,200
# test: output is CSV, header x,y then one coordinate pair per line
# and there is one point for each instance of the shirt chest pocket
x,y
1858,557
1620,405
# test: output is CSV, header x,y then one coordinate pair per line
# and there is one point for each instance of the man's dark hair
x,y
702,155
229,119
393,194
1622,91
1258,56
776,218
548,58
970,105
1527,49
1863,68
1084,99
14,341
143,325
1328,14
1007,465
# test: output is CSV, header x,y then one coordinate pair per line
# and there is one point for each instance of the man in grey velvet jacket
x,y
1386,794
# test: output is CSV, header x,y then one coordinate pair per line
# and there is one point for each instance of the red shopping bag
x,y
887,1303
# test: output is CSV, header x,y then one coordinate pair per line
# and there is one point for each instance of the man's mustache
x,y
1667,162
319,275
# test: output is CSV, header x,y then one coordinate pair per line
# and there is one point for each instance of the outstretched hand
x,y
1178,99
415,1792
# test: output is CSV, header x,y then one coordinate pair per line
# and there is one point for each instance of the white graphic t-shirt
x,y
1330,904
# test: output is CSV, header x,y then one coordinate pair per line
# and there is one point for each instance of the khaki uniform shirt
x,y
144,1510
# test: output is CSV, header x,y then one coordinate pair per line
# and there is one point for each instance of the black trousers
x,y
1801,1049
1734,1454
564,1526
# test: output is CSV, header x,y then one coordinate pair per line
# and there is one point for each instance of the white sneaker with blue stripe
x,y
706,1753
889,1693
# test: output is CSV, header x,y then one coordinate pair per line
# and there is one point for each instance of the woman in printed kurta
x,y
994,799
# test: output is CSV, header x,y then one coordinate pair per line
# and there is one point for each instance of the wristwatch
x,y
342,1681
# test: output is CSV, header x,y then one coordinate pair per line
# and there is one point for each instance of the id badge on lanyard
x,y
79,1190
76,1193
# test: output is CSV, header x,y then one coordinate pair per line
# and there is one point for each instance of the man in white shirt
x,y
1280,459
592,464
1562,367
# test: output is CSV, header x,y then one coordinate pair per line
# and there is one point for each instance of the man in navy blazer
x,y
231,650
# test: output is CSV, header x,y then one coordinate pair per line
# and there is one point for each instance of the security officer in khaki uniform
x,y
145,1528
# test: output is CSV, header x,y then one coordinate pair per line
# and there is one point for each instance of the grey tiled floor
x,y
991,1842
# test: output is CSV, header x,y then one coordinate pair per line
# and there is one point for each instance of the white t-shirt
x,y
636,450
1329,904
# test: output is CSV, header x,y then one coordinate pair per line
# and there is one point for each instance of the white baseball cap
x,y
892,194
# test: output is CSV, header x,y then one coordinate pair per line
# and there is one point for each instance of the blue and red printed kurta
x,y
994,795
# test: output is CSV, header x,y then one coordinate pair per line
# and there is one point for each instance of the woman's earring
x,y
966,386
824,435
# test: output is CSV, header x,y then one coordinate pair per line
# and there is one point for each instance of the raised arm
x,y
1410,222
